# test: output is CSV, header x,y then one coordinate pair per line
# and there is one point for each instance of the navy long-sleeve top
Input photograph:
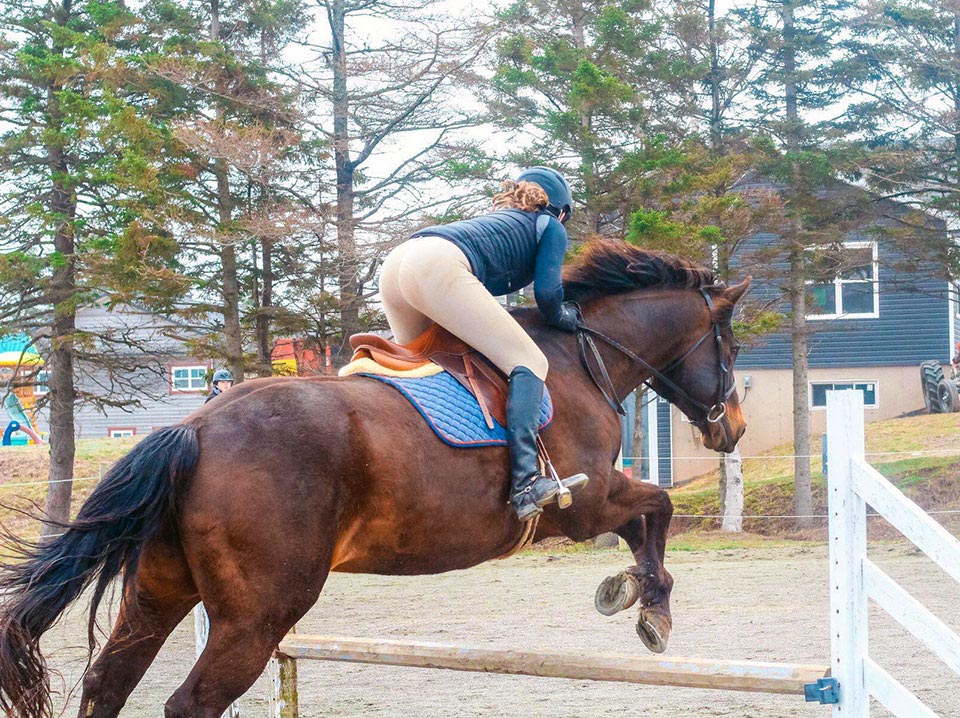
x,y
509,248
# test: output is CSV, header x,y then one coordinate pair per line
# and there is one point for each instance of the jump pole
x,y
750,676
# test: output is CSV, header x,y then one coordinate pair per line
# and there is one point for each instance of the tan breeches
x,y
428,279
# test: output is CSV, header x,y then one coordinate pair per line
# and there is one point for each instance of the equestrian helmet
x,y
222,375
555,185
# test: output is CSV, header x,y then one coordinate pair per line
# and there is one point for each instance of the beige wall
x,y
767,407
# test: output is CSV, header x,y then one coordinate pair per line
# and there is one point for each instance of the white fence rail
x,y
853,485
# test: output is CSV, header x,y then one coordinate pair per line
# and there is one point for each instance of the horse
x,y
353,480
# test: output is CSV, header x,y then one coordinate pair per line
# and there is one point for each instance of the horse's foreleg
x,y
641,513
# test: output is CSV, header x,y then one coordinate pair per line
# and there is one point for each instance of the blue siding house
x,y
871,324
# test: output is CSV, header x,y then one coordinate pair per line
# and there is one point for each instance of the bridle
x,y
725,387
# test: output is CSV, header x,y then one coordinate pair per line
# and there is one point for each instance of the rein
x,y
712,414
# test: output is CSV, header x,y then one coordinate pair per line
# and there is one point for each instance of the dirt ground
x,y
763,604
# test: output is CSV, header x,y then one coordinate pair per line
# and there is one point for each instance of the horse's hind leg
x,y
244,631
162,595
256,579
640,513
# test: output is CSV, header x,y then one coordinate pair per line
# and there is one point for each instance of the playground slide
x,y
18,420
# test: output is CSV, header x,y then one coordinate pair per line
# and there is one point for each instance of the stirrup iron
x,y
564,495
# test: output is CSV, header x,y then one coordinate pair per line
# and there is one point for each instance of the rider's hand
x,y
569,318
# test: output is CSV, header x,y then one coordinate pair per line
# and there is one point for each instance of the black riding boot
x,y
529,491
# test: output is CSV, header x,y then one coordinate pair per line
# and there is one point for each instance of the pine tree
x,y
804,158
236,126
720,63
905,58
81,200
582,81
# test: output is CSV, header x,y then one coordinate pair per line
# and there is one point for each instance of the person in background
x,y
222,380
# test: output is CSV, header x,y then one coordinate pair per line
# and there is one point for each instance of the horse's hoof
x,y
654,628
616,593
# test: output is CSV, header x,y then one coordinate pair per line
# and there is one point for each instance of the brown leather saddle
x,y
437,345
469,367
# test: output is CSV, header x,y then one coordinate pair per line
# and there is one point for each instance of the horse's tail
x,y
126,508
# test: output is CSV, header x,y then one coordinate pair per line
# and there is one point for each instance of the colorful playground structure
x,y
18,362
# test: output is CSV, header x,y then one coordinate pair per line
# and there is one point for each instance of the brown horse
x,y
353,480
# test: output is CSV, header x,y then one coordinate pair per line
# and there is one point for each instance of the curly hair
x,y
528,196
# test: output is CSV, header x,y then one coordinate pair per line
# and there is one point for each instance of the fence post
x,y
848,549
284,702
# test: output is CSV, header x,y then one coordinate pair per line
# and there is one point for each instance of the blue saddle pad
x,y
453,412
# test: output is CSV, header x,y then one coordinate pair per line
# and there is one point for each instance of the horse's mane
x,y
608,266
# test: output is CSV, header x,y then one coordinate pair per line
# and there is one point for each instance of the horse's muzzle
x,y
723,435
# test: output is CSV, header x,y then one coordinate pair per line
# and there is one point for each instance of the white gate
x,y
853,484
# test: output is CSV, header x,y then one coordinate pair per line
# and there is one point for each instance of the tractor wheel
x,y
948,397
931,374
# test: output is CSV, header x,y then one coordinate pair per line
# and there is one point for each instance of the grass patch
x,y
931,477
722,541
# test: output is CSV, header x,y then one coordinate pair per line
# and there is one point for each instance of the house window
x,y
40,386
188,378
844,283
818,392
121,432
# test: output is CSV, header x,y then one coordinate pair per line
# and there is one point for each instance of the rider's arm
x,y
547,282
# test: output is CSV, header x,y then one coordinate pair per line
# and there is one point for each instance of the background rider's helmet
x,y
222,375
554,184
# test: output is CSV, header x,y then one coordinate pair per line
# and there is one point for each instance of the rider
x,y
450,274
222,380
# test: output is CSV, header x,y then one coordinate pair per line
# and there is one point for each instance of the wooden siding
x,y
148,375
161,409
664,444
912,326
626,429
955,319
664,439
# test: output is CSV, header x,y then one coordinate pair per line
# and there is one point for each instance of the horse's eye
x,y
735,351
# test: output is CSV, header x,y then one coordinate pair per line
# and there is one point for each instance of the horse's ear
x,y
735,293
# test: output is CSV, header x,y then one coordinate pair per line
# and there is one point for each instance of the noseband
x,y
725,387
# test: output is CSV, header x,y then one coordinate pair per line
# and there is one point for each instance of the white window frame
x,y
838,283
832,382
121,432
190,388
41,382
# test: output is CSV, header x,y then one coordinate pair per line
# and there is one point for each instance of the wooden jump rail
x,y
752,676
854,677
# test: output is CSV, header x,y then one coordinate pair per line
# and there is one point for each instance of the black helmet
x,y
555,185
222,375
